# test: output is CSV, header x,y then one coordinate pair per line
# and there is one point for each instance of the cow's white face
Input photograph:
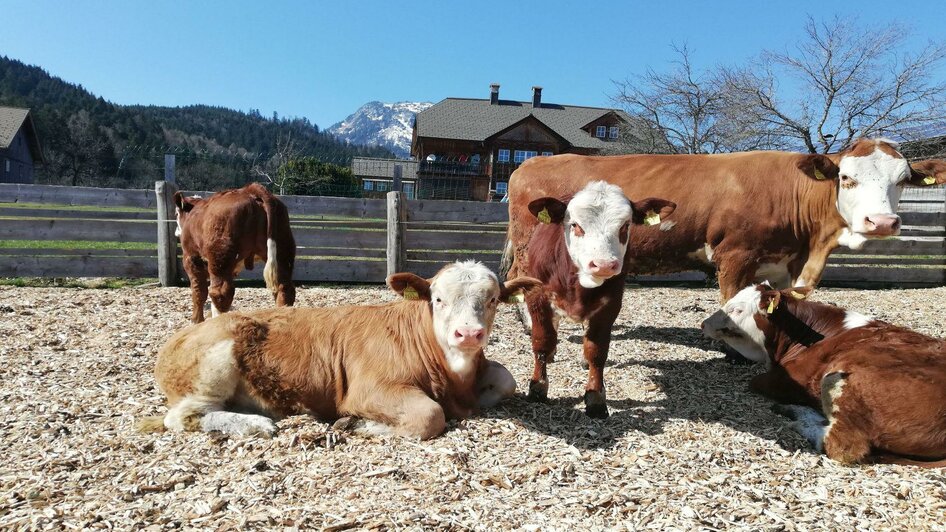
x,y
736,324
177,215
597,225
869,190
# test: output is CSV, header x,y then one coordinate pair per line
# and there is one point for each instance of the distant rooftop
x,y
11,120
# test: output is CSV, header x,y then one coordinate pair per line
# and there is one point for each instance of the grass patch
x,y
89,208
73,282
74,244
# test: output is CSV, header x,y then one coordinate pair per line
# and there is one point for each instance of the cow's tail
x,y
280,251
505,263
150,424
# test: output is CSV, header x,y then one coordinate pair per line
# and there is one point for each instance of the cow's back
x,y
233,222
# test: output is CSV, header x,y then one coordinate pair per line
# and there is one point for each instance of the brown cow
x,y
402,367
752,216
228,231
881,387
581,257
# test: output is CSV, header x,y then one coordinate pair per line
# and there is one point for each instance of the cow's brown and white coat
x,y
580,254
402,367
227,232
860,389
747,216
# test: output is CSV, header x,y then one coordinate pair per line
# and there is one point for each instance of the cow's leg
x,y
221,292
494,385
196,270
406,411
596,344
777,385
285,288
544,342
814,267
735,271
844,439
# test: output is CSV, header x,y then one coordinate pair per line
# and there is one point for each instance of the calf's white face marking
x,y
597,225
464,297
869,191
853,320
735,325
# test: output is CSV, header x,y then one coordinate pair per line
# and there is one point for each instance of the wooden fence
x,y
51,231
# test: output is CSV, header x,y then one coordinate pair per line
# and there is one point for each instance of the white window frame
x,y
546,154
613,132
502,188
519,157
601,131
369,185
383,186
502,156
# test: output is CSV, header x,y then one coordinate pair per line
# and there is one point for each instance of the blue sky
x,y
323,60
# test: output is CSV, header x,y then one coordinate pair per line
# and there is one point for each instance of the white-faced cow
x,y
402,367
860,389
228,231
580,254
750,216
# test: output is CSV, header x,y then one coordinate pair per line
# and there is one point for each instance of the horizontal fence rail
x,y
55,231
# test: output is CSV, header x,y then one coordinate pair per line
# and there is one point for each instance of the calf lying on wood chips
x,y
579,251
871,391
402,367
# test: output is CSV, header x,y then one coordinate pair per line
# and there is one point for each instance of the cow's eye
x,y
577,230
438,300
847,182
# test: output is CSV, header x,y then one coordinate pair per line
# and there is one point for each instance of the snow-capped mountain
x,y
381,124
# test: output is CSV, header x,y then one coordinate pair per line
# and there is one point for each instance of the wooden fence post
x,y
169,160
397,215
167,241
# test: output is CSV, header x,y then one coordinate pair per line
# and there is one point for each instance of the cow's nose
x,y
882,224
604,267
469,334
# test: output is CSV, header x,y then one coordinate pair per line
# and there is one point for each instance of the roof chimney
x,y
536,96
494,93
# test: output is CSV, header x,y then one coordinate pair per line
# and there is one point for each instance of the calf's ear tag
x,y
771,308
929,180
518,297
819,176
410,293
544,216
797,295
651,218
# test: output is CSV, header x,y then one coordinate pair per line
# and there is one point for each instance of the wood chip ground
x,y
686,446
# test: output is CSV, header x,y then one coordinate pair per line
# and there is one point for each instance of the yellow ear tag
x,y
929,180
518,297
544,216
771,308
410,293
651,218
819,176
797,295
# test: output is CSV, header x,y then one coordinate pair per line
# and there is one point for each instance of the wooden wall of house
x,y
20,159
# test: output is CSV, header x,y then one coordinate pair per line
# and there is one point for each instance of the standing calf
x,y
403,367
579,254
228,231
869,389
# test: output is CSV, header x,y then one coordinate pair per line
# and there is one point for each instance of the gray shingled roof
x,y
374,167
477,120
11,120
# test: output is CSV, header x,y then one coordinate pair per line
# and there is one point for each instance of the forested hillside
x,y
88,140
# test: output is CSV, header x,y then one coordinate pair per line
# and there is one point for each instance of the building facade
x,y
467,148
19,146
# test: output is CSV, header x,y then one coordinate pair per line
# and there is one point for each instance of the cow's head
x,y
597,223
870,175
463,297
182,206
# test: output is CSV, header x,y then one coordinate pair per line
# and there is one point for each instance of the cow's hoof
x,y
595,405
734,358
538,391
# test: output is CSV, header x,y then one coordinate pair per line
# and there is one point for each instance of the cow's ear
x,y
183,203
512,291
817,166
651,211
769,301
927,173
548,210
410,286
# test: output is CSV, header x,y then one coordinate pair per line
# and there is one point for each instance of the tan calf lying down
x,y
403,367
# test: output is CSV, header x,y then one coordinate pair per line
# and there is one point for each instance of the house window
x,y
600,131
503,156
501,188
546,153
613,132
523,155
369,185
383,186
8,165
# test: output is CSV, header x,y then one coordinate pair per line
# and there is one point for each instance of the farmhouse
x,y
468,147
378,176
19,146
